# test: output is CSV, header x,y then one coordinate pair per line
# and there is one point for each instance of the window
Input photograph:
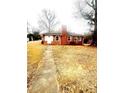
x,y
79,38
75,38
69,38
57,38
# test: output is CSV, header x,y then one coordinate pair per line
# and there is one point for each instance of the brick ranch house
x,y
61,38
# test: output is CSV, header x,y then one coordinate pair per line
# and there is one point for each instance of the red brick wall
x,y
56,42
64,36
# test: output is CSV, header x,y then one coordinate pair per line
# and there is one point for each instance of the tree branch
x,y
48,20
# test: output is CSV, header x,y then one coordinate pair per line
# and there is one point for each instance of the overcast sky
x,y
64,10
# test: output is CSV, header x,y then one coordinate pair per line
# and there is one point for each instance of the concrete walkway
x,y
45,79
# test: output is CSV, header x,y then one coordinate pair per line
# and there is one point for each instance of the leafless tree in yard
x,y
87,9
47,21
28,27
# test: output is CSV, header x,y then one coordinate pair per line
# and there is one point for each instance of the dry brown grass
x,y
76,66
34,57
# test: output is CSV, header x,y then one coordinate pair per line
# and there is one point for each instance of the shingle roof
x,y
59,33
52,33
74,34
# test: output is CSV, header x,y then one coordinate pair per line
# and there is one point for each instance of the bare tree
x,y
28,27
47,21
87,9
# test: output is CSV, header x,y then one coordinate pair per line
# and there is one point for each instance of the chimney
x,y
64,35
64,30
